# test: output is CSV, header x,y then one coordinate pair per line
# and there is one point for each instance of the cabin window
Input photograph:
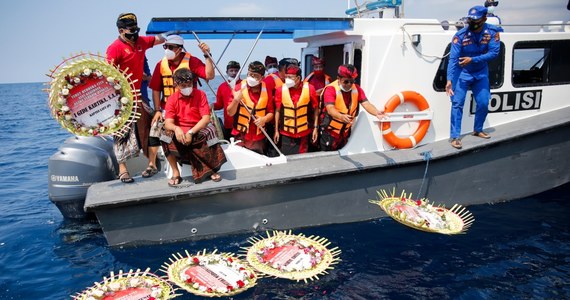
x,y
541,63
308,64
496,70
358,63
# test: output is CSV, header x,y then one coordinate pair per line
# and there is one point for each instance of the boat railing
x,y
379,6
415,38
552,26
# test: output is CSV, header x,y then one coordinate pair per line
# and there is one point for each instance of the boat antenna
x,y
226,48
209,55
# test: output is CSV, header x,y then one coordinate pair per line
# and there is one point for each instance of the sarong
x,y
129,145
204,160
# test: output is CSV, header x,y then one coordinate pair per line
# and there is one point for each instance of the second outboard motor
x,y
79,163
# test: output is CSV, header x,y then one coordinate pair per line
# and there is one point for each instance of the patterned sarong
x,y
205,160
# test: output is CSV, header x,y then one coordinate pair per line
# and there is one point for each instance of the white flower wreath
x,y
74,72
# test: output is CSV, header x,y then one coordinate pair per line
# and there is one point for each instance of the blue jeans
x,y
482,94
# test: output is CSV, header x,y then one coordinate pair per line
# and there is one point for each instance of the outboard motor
x,y
79,163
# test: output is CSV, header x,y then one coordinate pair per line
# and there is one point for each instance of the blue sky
x,y
38,34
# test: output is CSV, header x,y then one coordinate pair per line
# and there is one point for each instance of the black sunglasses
x,y
347,81
494,3
133,29
170,47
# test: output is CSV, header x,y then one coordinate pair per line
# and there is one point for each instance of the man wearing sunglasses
x,y
162,84
341,99
127,52
471,49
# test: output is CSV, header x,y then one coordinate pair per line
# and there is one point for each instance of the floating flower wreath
x,y
139,285
84,70
210,274
296,257
423,215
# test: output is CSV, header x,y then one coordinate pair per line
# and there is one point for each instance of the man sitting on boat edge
x,y
187,114
162,86
341,99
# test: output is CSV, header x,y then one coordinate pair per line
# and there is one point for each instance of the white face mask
x,y
169,54
272,70
345,90
252,81
289,82
490,9
186,91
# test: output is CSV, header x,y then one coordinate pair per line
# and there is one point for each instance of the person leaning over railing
x,y
341,99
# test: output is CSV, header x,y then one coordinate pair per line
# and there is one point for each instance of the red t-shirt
x,y
126,56
196,66
252,135
187,111
224,97
318,81
295,95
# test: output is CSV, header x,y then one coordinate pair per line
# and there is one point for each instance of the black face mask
x,y
474,26
132,36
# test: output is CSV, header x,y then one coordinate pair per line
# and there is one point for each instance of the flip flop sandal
x,y
125,177
482,135
216,177
149,172
175,181
456,143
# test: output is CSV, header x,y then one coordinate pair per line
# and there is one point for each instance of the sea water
x,y
514,250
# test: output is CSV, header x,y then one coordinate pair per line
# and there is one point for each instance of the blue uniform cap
x,y
477,12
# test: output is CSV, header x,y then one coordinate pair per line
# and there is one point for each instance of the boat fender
x,y
411,141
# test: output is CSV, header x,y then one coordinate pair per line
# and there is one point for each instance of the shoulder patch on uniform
x,y
455,40
497,37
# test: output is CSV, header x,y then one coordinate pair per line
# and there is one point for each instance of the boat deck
x,y
112,194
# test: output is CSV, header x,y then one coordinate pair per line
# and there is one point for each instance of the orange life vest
x,y
327,78
336,125
277,80
166,74
294,119
241,123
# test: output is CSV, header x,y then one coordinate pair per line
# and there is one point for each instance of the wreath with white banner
x,y
89,96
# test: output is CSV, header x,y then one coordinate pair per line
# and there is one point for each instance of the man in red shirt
x,y
318,78
271,64
187,114
341,99
162,84
252,96
127,52
224,97
296,113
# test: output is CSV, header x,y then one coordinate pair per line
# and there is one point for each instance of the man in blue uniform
x,y
471,48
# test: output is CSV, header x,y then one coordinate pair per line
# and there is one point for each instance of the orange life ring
x,y
411,141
